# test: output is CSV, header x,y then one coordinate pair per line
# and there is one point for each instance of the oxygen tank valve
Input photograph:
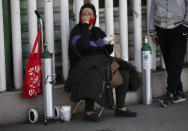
x,y
45,45
146,39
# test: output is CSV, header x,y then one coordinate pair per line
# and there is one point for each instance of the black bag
x,y
106,96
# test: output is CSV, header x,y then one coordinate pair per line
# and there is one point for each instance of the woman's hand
x,y
85,19
155,39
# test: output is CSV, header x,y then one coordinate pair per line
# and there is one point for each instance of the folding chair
x,y
78,104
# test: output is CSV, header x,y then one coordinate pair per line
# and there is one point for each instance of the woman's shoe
x,y
93,117
127,113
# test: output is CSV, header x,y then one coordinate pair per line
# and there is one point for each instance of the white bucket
x,y
65,112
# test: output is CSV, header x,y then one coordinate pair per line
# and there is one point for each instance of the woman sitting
x,y
90,76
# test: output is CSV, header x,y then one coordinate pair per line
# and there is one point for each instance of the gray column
x,y
16,43
64,8
137,16
2,53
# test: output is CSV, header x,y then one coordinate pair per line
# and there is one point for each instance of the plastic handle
x,y
37,13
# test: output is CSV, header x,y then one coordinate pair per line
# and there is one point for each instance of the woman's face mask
x,y
91,21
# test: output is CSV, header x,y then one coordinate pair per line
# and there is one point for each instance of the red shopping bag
x,y
33,76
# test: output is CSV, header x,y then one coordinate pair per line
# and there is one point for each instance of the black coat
x,y
92,76
82,45
90,72
89,79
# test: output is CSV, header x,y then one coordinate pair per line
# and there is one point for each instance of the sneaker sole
x,y
180,100
162,103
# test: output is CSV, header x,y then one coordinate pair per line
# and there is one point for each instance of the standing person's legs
x,y
173,46
177,51
163,40
184,46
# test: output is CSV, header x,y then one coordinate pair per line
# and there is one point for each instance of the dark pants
x,y
120,93
173,46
